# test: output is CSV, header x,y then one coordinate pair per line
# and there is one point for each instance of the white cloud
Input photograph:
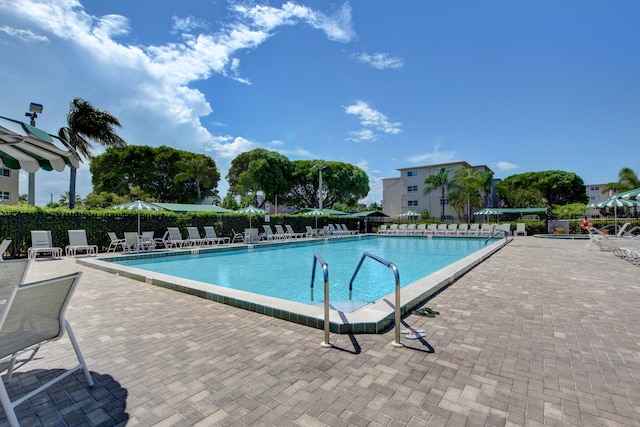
x,y
24,35
380,61
371,120
185,25
506,166
435,157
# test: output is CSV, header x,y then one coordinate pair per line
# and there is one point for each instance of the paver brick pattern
x,y
542,333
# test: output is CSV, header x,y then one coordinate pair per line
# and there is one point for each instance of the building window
x,y
595,188
412,188
412,203
5,195
412,173
5,172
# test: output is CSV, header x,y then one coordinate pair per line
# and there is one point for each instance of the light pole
x,y
34,109
320,169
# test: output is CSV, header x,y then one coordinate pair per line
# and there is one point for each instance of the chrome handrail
x,y
393,267
325,272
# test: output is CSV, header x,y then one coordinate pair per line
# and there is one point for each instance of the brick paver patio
x,y
542,333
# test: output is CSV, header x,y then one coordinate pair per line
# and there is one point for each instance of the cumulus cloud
x,y
23,35
187,24
371,120
434,157
380,61
506,166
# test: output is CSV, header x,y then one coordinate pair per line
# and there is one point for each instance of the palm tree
x,y
627,180
86,123
198,169
466,184
438,180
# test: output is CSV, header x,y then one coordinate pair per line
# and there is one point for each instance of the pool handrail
x,y
317,258
392,266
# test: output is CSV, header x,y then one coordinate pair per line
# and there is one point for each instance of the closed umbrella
x,y
251,210
138,205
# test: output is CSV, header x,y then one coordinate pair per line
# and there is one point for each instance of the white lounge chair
x,y
452,229
33,315
268,233
41,243
115,242
420,229
521,229
411,229
281,234
210,234
393,229
486,229
441,229
12,272
195,238
310,231
78,243
382,229
3,248
237,237
431,229
175,238
463,229
402,229
474,230
291,232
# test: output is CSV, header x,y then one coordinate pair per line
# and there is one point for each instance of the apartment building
x,y
405,192
9,182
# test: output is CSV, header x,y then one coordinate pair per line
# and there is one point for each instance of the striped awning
x,y
23,146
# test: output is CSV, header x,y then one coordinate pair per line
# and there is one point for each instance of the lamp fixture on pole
x,y
320,169
34,109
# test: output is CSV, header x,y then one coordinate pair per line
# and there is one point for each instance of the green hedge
x,y
16,224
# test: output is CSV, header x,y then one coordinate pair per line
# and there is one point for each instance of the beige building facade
x,y
405,193
9,182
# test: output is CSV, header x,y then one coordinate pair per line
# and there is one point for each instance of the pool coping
x,y
376,317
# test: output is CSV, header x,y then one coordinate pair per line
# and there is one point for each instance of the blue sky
x,y
518,86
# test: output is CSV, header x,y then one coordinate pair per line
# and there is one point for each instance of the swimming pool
x,y
347,316
285,271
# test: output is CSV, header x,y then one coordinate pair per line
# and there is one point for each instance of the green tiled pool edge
x,y
374,318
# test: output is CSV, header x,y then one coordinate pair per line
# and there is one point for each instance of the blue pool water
x,y
285,271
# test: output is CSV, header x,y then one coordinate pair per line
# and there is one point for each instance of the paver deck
x,y
542,333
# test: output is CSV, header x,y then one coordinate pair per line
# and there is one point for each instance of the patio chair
x,y
33,315
131,242
195,238
452,229
420,229
78,243
463,229
521,229
267,235
175,238
147,242
474,230
13,272
41,243
382,229
237,237
431,230
115,242
3,248
310,232
281,234
210,234
162,241
411,229
441,229
393,229
291,232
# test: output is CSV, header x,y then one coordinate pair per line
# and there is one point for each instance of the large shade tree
x,y
259,170
86,123
343,183
154,174
542,189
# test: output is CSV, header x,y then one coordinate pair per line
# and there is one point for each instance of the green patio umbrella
x,y
251,211
628,195
615,203
138,205
409,213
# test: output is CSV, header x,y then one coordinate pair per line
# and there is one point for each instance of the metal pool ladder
x,y
325,272
396,342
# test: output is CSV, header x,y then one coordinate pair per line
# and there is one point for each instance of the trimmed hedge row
x,y
16,224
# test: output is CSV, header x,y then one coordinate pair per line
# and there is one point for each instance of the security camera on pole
x,y
34,109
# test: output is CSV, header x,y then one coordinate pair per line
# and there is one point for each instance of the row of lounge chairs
x,y
625,244
451,229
